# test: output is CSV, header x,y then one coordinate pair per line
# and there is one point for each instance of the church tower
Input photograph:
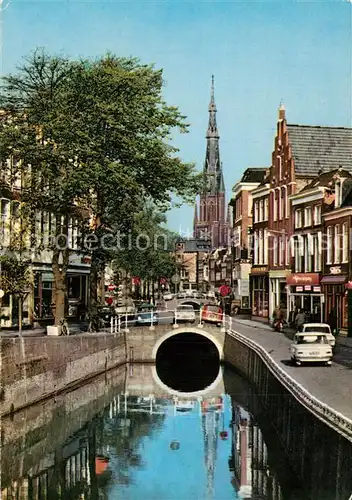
x,y
210,217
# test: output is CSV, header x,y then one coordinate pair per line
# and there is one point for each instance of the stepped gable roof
x,y
254,174
326,179
315,148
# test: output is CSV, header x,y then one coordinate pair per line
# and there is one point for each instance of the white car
x,y
311,347
168,296
320,328
184,313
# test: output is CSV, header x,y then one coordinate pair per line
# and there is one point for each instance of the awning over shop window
x,y
334,280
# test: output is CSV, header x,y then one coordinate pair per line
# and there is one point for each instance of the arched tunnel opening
x,y
195,305
187,362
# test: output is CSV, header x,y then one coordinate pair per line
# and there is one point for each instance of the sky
x,y
260,52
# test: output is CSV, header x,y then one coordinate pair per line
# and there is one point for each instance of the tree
x,y
93,134
16,280
147,251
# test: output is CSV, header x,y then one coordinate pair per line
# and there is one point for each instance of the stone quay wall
x,y
316,451
35,368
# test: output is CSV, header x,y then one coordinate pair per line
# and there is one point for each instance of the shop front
x,y
336,300
305,293
259,280
77,294
278,296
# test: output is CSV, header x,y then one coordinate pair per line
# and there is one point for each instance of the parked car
x,y
184,313
181,295
210,295
212,314
168,296
311,347
146,316
319,328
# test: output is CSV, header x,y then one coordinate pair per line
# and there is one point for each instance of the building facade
x,y
31,241
259,276
300,153
242,240
305,284
337,268
210,217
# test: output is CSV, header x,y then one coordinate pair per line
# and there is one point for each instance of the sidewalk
x,y
289,332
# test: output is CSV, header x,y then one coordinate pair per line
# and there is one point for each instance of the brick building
x,y
259,277
300,153
210,217
308,209
242,206
337,262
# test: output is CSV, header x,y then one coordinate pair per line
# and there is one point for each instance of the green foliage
x,y
15,276
154,261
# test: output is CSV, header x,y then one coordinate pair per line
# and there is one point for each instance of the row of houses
x,y
291,244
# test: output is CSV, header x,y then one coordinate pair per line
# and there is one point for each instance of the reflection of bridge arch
x,y
188,329
210,389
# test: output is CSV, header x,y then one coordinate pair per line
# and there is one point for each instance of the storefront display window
x,y
260,296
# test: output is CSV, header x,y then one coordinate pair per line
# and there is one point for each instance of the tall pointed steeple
x,y
211,218
212,166
212,126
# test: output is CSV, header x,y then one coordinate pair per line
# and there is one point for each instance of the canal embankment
x,y
36,368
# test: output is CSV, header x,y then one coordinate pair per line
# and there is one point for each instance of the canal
x,y
123,437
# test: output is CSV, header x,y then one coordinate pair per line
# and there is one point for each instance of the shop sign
x,y
259,270
244,288
308,279
299,288
316,289
307,288
335,270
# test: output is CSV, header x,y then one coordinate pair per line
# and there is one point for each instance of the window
x,y
266,209
282,204
317,252
287,254
345,242
317,215
297,254
275,249
281,251
261,247
274,206
261,210
256,247
287,204
307,216
265,246
329,245
337,246
256,212
298,218
278,208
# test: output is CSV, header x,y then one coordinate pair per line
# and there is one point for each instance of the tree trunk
x,y
93,285
59,272
20,315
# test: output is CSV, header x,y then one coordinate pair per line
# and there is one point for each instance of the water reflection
x,y
136,444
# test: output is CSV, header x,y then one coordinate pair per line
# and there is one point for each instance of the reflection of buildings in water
x,y
56,477
212,409
241,460
249,461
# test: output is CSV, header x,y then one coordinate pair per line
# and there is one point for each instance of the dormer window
x,y
338,192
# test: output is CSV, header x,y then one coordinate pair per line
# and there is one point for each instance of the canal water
x,y
125,436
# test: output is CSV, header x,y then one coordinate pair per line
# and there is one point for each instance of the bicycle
x,y
64,330
95,324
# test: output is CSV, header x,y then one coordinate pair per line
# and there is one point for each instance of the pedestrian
x,y
300,320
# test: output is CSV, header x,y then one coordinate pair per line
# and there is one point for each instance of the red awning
x,y
334,279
